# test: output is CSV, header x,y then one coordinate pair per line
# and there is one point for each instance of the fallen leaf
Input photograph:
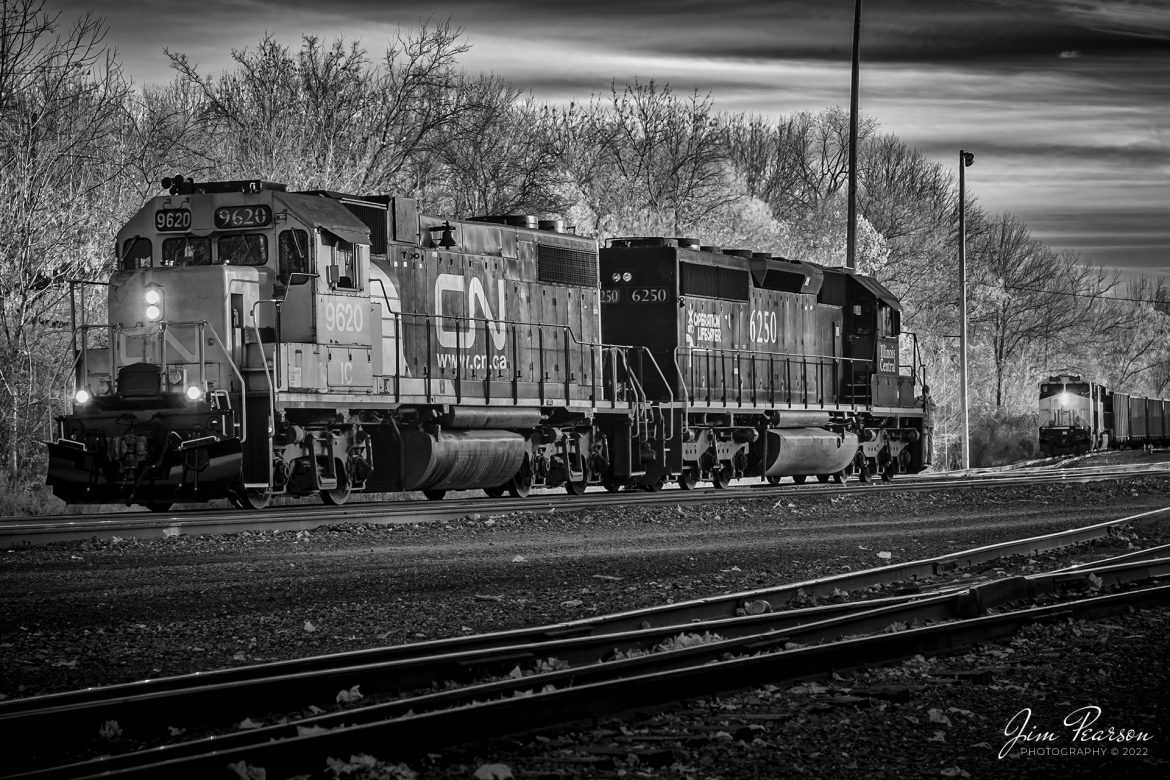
x,y
937,716
349,696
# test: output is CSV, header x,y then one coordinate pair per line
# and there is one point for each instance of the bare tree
x,y
666,155
1027,295
326,117
62,106
500,157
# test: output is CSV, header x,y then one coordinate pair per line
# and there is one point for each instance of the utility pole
x,y
965,159
851,239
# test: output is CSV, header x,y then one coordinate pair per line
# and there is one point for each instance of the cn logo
x,y
456,334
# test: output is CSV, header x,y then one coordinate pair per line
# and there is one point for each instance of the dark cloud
x,y
1064,101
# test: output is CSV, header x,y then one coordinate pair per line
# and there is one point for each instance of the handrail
x,y
804,363
264,359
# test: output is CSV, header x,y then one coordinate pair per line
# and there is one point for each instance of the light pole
x,y
965,159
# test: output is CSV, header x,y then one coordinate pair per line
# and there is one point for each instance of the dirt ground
x,y
91,613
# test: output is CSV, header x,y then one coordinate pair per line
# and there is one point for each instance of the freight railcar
x,y
263,343
1078,416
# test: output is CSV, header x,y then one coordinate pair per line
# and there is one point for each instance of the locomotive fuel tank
x,y
460,458
808,451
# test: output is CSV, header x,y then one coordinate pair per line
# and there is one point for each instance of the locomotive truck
x,y
261,343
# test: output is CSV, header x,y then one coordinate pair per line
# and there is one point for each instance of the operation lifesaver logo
x,y
705,326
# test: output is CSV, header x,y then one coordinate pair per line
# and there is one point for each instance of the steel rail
x,y
684,613
478,709
148,714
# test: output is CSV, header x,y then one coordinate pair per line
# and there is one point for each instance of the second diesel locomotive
x,y
266,343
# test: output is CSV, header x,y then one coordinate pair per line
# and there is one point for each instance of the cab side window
x,y
342,254
293,254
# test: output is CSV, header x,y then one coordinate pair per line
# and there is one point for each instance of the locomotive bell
x,y
447,240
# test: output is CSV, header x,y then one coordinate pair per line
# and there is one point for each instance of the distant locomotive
x,y
262,342
1079,416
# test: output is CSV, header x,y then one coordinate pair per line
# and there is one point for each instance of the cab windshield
x,y
232,249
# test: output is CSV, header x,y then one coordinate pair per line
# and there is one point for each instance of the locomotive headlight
x,y
153,298
82,396
627,277
194,393
1064,399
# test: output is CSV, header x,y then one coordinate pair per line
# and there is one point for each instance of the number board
x,y
243,216
647,295
172,220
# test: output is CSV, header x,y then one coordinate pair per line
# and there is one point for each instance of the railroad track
x,y
38,530
594,666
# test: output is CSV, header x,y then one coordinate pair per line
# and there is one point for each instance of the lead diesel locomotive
x,y
262,342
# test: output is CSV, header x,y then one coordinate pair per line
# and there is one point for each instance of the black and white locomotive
x,y
263,343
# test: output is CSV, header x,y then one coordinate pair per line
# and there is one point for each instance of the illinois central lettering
x,y
456,331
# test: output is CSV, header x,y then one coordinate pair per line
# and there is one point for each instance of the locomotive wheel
x,y
721,477
495,492
435,495
864,474
889,471
611,485
159,506
335,497
520,485
798,479
841,477
773,480
822,478
576,488
687,479
254,499
234,500
654,487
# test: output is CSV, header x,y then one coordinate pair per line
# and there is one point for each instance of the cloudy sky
x,y
1066,103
